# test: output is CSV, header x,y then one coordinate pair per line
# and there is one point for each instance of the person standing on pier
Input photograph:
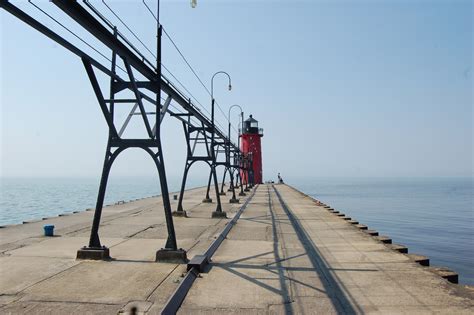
x,y
280,179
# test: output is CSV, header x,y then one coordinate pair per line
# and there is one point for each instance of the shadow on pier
x,y
333,288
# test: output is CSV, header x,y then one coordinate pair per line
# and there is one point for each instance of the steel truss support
x,y
221,147
199,136
230,168
238,162
116,145
246,171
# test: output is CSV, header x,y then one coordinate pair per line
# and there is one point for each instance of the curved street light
x,y
218,211
228,116
238,141
213,101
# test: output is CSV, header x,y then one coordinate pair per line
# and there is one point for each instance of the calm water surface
x,y
433,217
24,199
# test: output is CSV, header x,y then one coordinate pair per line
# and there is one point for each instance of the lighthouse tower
x,y
251,143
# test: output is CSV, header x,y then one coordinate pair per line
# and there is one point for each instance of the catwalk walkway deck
x,y
285,254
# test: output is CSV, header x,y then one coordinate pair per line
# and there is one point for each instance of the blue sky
x,y
342,88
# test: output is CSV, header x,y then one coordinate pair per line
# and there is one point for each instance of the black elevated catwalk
x,y
150,95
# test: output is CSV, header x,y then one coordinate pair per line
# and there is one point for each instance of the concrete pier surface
x,y
286,254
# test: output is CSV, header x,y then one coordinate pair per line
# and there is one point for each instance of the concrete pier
x,y
287,253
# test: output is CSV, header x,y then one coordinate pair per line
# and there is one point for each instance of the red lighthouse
x,y
251,145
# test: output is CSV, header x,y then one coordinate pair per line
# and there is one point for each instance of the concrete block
x,y
361,227
179,214
93,253
384,239
219,215
445,273
372,232
399,248
207,200
234,200
422,260
171,256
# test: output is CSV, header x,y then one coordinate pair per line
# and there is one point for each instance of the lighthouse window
x,y
254,124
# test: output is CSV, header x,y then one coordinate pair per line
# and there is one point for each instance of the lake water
x,y
432,217
23,199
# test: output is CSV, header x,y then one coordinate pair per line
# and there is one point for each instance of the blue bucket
x,y
48,230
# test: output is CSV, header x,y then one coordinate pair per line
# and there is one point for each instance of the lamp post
x,y
233,199
218,213
241,122
240,155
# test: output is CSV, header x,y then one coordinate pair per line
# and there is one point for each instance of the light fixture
x,y
193,3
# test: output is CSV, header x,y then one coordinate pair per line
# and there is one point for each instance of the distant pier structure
x,y
251,146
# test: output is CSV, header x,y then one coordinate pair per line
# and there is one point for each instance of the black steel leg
x,y
171,241
233,199
222,193
95,250
180,211
218,213
246,181
171,251
231,184
208,198
241,193
94,241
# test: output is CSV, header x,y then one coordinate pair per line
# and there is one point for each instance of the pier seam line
x,y
47,278
158,285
